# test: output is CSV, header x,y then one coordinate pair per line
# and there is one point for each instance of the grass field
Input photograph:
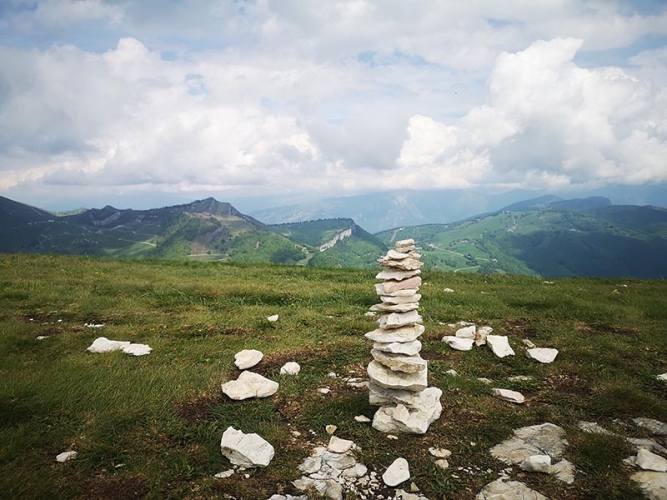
x,y
150,427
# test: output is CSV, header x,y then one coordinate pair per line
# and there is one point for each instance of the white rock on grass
x,y
458,343
542,354
662,376
224,474
542,439
510,396
397,473
362,419
467,332
650,461
500,345
103,344
273,318
66,456
481,334
290,368
338,445
537,463
510,490
440,452
247,450
250,385
656,427
653,484
137,349
247,358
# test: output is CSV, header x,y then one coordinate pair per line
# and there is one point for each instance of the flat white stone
x,y
413,419
542,439
440,452
389,287
485,380
248,450
448,290
481,334
401,299
380,396
592,428
407,348
397,473
399,308
650,461
507,395
396,255
662,376
406,264
384,377
363,419
542,354
137,349
652,484
500,346
273,318
65,456
656,427
399,362
290,368
250,385
537,463
338,445
103,344
402,334
224,474
458,343
247,358
564,471
467,332
406,243
510,490
398,320
528,344
394,274
452,373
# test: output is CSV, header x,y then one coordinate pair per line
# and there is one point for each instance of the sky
x,y
144,103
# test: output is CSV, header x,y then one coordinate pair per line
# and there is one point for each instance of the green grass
x,y
150,427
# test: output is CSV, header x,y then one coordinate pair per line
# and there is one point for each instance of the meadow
x,y
150,427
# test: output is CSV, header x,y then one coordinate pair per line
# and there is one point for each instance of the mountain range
x,y
546,235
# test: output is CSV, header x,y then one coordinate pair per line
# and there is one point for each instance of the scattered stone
x,y
662,376
331,429
448,290
249,385
656,427
273,318
442,463
392,437
362,419
248,450
510,490
592,428
324,390
103,344
537,463
528,344
500,346
66,456
287,497
41,337
93,325
290,368
397,473
247,358
564,471
485,380
652,484
481,333
338,445
467,332
542,354
510,396
440,452
458,343
452,373
543,439
224,474
650,461
520,378
137,349
648,444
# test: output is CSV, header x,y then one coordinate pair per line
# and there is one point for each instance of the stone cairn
x,y
398,374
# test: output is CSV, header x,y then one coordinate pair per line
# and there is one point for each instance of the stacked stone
x,y
398,374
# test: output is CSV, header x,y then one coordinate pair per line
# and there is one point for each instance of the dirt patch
x,y
235,330
116,488
521,327
601,328
568,383
198,410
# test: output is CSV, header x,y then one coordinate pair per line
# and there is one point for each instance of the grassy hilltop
x,y
150,427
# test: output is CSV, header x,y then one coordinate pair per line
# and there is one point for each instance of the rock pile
x,y
398,374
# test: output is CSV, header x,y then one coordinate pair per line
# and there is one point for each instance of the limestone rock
x,y
396,255
380,396
458,343
399,362
406,264
467,332
408,348
537,463
650,461
592,428
290,368
398,320
542,354
656,427
250,385
338,445
273,318
499,345
652,484
247,358
397,473
510,490
510,396
440,452
403,334
248,450
543,439
394,274
389,287
414,419
481,333
384,377
662,376
103,344
137,349
66,456
400,299
399,308
405,245
442,463
362,419
564,471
